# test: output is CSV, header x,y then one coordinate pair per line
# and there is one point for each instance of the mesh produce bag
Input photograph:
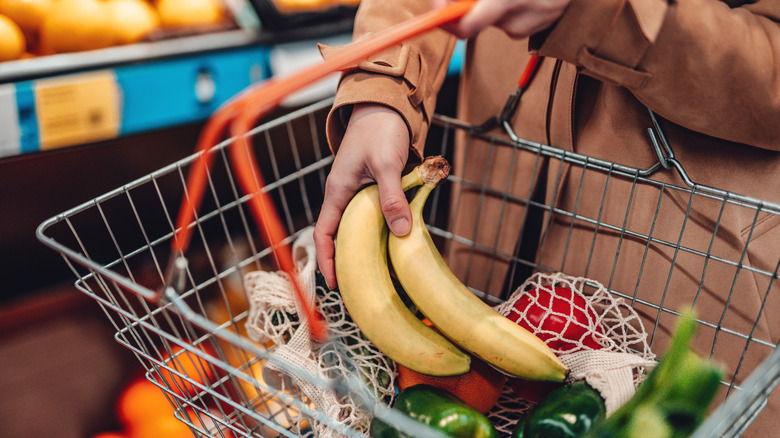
x,y
273,316
598,336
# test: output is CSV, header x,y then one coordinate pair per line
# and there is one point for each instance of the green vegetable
x,y
567,412
519,431
439,409
674,399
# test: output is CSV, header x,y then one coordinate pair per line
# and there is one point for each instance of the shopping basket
x,y
118,246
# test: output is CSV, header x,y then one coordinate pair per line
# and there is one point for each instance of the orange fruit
x,y
12,41
188,13
28,14
480,388
110,435
163,426
142,401
131,20
182,368
76,25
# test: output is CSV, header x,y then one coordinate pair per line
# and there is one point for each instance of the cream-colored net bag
x,y
610,350
273,316
598,336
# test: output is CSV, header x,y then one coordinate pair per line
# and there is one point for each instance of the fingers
x,y
518,18
395,207
334,203
374,149
482,14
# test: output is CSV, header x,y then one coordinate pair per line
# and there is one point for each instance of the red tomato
x,y
559,317
562,319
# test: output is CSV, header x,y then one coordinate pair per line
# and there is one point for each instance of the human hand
x,y
518,18
374,149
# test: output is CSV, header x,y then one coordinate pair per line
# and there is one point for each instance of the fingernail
x,y
400,227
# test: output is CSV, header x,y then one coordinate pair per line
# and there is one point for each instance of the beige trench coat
x,y
708,69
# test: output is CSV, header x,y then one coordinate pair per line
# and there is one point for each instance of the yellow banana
x,y
370,297
459,314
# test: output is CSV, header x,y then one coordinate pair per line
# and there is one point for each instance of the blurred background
x,y
95,94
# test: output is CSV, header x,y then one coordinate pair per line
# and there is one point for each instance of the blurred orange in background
x,y
28,15
75,25
12,41
142,401
187,368
183,13
132,20
61,26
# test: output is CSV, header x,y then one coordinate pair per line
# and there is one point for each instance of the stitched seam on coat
x,y
759,222
550,99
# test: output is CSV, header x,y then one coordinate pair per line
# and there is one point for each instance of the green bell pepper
x,y
438,409
567,412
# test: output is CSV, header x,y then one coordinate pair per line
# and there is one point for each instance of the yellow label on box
x,y
77,109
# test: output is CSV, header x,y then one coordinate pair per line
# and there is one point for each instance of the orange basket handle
x,y
244,110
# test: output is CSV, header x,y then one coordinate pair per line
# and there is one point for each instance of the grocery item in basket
x,y
569,411
438,409
604,342
561,318
459,314
274,315
480,388
674,399
368,291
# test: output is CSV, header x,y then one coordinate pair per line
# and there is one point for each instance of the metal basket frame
x,y
162,315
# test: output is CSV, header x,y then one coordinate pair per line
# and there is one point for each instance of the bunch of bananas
x,y
464,324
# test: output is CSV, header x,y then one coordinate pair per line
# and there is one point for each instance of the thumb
x,y
395,207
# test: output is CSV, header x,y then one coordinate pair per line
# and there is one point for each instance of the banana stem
x,y
434,170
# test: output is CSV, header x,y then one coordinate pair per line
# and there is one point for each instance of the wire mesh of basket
x,y
185,318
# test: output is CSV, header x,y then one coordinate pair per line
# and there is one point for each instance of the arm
x,y
383,107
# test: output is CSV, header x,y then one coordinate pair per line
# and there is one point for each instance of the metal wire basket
x,y
191,338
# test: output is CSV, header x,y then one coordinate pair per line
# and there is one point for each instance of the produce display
x,y
30,28
292,6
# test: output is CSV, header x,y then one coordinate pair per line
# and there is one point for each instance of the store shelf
x,y
64,100
71,99
77,108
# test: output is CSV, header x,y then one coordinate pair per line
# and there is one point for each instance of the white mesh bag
x,y
273,316
598,336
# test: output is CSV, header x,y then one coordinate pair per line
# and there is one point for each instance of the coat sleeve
x,y
702,64
406,77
